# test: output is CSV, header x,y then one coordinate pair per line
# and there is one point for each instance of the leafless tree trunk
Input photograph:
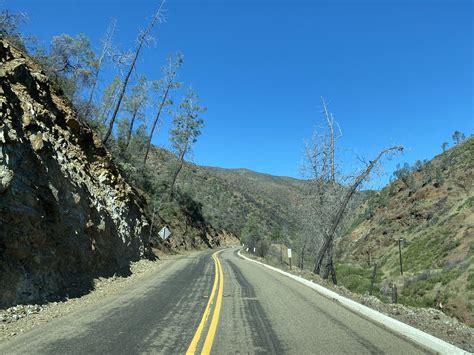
x,y
372,279
176,172
164,87
141,41
130,129
332,149
157,119
105,51
324,263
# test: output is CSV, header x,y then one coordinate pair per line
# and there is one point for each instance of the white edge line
x,y
416,335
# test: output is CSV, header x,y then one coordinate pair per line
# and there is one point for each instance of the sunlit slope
x,y
432,209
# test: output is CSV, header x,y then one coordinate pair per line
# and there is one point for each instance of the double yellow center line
x,y
211,332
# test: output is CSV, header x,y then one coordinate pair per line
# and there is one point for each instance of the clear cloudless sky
x,y
393,72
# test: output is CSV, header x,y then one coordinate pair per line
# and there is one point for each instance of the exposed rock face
x,y
66,213
198,237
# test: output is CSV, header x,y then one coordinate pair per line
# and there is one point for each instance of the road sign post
x,y
289,256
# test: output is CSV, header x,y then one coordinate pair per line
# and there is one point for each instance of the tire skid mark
x,y
372,349
156,322
263,336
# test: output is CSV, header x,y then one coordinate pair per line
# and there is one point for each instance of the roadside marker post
x,y
254,250
400,254
289,256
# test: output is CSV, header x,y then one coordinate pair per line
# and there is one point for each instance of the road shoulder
x,y
20,319
429,341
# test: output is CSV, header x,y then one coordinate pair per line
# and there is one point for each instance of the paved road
x,y
185,307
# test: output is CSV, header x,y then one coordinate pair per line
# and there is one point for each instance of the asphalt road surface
x,y
218,303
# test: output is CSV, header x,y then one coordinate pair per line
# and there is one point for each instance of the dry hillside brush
x,y
432,210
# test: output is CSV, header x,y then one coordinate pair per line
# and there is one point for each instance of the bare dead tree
x,y
324,263
143,37
322,191
135,104
332,139
329,194
310,214
163,88
108,100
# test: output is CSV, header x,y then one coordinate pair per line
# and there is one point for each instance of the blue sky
x,y
393,72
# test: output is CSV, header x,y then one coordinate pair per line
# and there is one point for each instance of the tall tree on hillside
x,y
186,129
71,61
277,237
109,98
250,232
458,137
135,104
9,26
143,37
444,146
253,236
163,88
97,66
330,150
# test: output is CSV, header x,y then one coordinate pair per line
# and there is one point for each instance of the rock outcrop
x,y
66,213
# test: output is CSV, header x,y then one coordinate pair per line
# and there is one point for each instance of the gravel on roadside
x,y
21,318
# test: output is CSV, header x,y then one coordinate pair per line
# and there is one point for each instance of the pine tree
x,y
186,129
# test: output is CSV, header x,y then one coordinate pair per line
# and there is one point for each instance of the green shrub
x,y
356,278
470,281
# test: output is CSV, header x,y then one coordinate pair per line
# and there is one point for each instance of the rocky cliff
x,y
66,213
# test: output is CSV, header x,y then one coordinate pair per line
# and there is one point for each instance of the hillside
x,y
228,197
432,209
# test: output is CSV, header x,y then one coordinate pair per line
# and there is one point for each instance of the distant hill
x,y
229,196
430,206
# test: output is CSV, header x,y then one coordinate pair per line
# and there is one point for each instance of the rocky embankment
x,y
67,215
